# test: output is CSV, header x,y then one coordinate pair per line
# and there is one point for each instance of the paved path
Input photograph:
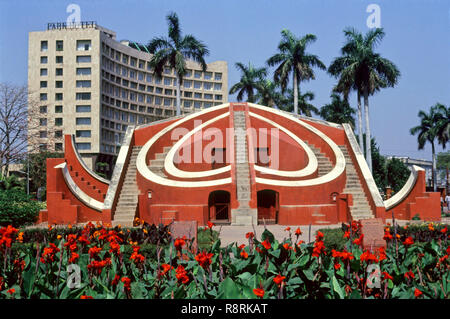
x,y
230,234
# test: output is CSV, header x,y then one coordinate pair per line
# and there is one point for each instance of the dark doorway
x,y
219,206
267,206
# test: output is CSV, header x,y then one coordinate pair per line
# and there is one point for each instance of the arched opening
x,y
268,206
219,206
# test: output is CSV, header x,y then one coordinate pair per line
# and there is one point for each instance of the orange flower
x,y
73,257
287,229
337,265
368,257
430,227
181,275
387,236
11,291
249,235
259,292
387,276
287,246
126,283
136,257
210,225
93,251
444,230
359,241
408,241
165,269
241,247
319,235
180,242
86,297
319,248
266,244
409,275
115,281
204,259
417,293
347,234
244,254
279,279
49,253
298,232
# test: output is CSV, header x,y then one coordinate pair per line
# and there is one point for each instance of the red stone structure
x,y
235,163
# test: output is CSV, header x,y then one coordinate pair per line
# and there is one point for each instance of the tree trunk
x,y
360,124
294,76
368,137
178,95
433,152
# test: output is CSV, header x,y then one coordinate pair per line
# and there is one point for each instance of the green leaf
x,y
228,290
268,235
337,288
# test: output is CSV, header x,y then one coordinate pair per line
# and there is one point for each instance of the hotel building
x,y
86,83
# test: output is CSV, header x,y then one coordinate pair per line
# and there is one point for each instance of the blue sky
x,y
417,41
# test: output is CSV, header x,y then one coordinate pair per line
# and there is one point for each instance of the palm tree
x,y
293,60
268,94
365,71
338,111
174,51
442,124
427,132
303,106
251,79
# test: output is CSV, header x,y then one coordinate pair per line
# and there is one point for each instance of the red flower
x,y
126,283
387,236
115,248
244,254
278,280
204,259
249,235
287,229
359,241
367,256
181,275
347,234
319,235
19,264
417,293
241,247
73,257
115,281
49,253
408,241
337,265
409,275
136,257
298,232
444,230
180,242
387,276
259,292
11,291
266,244
93,251
165,269
7,235
83,240
210,225
97,266
319,248
382,254
287,246
86,297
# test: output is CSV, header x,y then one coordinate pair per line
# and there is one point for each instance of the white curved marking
x,y
337,170
174,171
148,174
406,189
87,169
73,187
312,160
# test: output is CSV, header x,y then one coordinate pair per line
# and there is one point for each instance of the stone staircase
x,y
128,198
324,163
361,208
243,215
157,165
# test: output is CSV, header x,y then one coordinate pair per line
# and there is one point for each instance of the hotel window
x,y
83,133
83,108
83,121
43,109
59,59
83,71
58,84
133,62
141,108
59,45
58,134
158,80
187,103
207,104
149,78
218,97
141,64
83,146
197,74
198,95
59,72
132,74
158,100
218,76
83,83
167,81
44,59
159,90
197,104
187,94
187,84
167,71
125,59
208,96
83,96
149,88
43,134
133,85
167,92
58,121
58,108
58,147
43,97
83,45
43,147
208,76
58,96
188,74
43,84
44,46
43,122
141,87
149,99
217,86
207,86
141,76
44,72
83,58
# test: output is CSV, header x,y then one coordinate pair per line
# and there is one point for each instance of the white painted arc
x,y
337,170
148,174
169,160
312,160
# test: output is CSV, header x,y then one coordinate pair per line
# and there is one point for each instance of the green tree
x,y
293,60
11,182
251,80
338,111
397,174
17,208
363,70
303,106
174,51
268,94
443,164
38,168
426,133
442,124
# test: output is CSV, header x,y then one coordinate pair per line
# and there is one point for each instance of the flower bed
x,y
264,268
